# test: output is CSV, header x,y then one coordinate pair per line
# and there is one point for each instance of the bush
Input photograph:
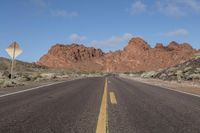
x,y
150,74
35,76
24,78
194,77
127,73
1,81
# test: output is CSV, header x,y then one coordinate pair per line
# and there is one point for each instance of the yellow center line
x,y
113,98
102,124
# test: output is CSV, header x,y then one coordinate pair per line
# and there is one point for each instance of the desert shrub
x,y
9,83
2,81
150,74
35,76
126,72
24,78
194,77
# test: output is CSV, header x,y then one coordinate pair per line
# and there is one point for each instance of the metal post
x,y
13,59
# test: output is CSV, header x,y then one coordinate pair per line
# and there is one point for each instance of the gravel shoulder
x,y
185,86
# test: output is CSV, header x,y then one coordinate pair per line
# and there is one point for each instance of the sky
x,y
107,24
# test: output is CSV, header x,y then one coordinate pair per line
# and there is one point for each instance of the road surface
x,y
98,105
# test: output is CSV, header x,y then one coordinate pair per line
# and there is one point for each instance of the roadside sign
x,y
13,51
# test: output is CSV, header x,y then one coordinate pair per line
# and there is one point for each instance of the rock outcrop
x,y
189,70
179,47
137,44
159,46
136,56
72,56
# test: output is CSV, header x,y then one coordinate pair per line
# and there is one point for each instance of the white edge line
x,y
191,94
188,93
17,92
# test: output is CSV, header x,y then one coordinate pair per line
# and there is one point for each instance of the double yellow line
x,y
102,124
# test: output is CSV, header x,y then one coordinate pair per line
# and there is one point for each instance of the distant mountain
x,y
136,56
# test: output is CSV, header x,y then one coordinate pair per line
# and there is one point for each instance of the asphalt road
x,y
75,107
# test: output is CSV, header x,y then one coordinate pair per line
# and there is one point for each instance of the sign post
x,y
13,51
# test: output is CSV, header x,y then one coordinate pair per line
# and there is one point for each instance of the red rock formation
x,y
175,46
159,46
136,56
137,44
64,56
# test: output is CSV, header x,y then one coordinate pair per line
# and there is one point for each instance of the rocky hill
x,y
189,70
19,66
136,56
74,56
32,74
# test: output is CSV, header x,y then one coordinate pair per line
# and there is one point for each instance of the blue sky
x,y
107,24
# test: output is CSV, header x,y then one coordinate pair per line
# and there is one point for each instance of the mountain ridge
x,y
136,56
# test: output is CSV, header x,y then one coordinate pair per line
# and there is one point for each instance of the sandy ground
x,y
185,86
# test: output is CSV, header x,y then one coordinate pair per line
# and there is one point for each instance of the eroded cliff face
x,y
68,56
136,56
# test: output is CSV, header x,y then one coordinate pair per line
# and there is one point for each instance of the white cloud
x,y
192,4
173,8
175,33
39,3
77,38
137,8
64,13
170,9
178,8
127,36
55,13
113,41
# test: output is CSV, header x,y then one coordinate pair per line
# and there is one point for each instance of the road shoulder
x,y
184,87
32,85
